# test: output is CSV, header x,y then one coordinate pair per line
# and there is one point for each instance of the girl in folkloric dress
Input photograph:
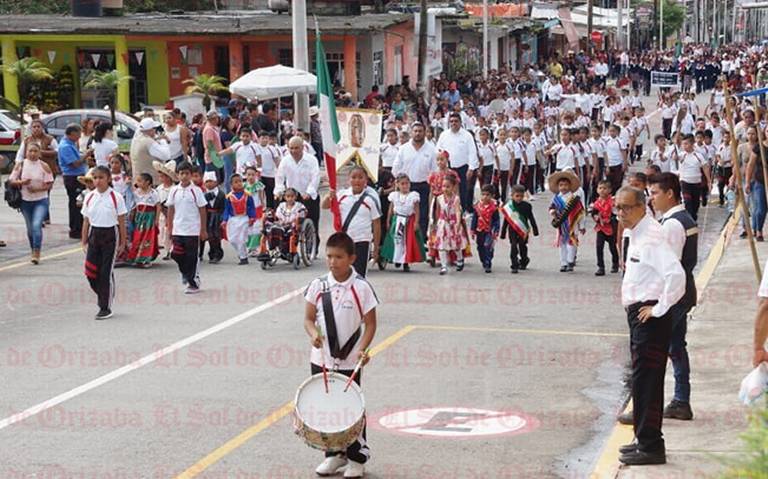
x,y
144,217
403,244
435,181
450,235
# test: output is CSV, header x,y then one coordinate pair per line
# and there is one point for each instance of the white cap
x,y
210,176
147,124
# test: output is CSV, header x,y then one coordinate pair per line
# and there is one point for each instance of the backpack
x,y
12,193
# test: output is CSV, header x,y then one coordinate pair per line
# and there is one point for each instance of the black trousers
x,y
518,250
184,252
357,451
530,179
422,188
73,188
486,175
464,194
213,228
649,345
100,262
313,213
502,185
601,240
691,198
616,177
723,177
269,191
362,252
666,127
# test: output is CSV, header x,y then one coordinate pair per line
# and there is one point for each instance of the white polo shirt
x,y
530,151
566,157
361,226
186,202
613,149
102,209
417,164
460,147
762,291
388,153
246,155
351,299
504,156
303,175
690,165
270,158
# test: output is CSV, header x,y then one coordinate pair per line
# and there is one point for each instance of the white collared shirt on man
x,y
417,164
303,175
460,147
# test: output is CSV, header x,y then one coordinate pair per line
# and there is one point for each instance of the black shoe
x,y
563,269
214,261
460,265
243,261
678,410
742,235
627,448
600,272
75,236
488,269
642,458
524,263
569,268
406,267
614,269
104,314
572,265
625,418
759,238
397,265
514,270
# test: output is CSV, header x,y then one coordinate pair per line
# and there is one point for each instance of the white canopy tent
x,y
274,82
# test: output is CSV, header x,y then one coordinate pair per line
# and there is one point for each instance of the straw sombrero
x,y
168,168
554,179
84,179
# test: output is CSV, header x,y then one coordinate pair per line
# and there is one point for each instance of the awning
x,y
570,29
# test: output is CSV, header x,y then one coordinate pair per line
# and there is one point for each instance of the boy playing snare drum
x,y
338,305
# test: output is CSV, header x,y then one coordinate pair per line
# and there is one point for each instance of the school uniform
x,y
245,156
487,156
350,301
103,211
186,202
270,160
357,221
529,150
504,156
615,161
690,165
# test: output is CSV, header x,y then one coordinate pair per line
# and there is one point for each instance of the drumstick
x,y
325,370
357,369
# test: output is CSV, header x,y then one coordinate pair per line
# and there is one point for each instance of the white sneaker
x,y
191,290
354,469
331,465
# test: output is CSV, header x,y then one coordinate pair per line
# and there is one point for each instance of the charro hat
x,y
554,179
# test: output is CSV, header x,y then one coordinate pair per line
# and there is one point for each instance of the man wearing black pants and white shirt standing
x,y
654,280
300,171
682,235
417,159
462,155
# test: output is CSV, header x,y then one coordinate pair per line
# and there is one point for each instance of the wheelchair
x,y
294,243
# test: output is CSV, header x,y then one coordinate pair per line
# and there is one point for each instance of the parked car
x,y
10,128
56,123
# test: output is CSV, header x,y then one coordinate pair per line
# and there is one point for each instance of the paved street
x,y
201,386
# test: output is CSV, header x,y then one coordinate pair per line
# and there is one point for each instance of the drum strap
x,y
353,211
330,327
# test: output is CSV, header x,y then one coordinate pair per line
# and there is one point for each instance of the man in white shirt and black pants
x,y
682,235
654,280
462,155
299,170
417,159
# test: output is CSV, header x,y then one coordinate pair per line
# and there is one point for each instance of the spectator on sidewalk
x,y
760,354
72,165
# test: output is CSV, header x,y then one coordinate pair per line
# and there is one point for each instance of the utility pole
x,y
620,23
629,27
422,76
485,38
662,42
301,62
589,27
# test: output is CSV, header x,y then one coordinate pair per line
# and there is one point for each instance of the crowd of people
x,y
461,164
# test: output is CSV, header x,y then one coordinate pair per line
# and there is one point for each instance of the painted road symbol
x,y
455,422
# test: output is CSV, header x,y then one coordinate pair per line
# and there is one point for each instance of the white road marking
x,y
148,359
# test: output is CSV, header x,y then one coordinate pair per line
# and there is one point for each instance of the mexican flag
x,y
328,124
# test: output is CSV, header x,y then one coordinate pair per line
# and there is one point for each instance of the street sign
x,y
597,36
455,422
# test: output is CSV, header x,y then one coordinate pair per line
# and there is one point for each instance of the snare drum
x,y
329,421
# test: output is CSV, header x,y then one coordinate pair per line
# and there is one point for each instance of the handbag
x,y
12,193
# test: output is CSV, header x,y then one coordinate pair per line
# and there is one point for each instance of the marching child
x,y
103,237
255,188
567,212
215,200
605,226
485,226
167,175
448,226
435,181
403,244
238,217
187,224
518,218
144,217
503,164
87,181
349,333
121,184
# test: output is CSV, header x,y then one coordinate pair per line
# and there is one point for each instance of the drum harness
x,y
337,352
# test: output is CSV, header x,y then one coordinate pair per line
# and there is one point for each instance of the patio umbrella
x,y
273,82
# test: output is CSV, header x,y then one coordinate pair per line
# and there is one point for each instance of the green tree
x,y
108,81
752,461
27,71
674,15
208,85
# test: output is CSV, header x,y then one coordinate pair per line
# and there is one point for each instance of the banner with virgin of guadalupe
x,y
360,142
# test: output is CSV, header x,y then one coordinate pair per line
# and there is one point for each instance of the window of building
x,y
285,57
378,68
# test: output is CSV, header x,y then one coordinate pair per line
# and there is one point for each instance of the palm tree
x,y
27,71
108,81
207,85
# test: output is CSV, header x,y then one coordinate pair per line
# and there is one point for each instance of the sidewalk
x,y
720,349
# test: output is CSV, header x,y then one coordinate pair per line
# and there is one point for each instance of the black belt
x,y
636,306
